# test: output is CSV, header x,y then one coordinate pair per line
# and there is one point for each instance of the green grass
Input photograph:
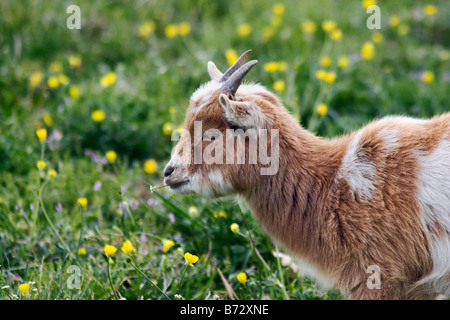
x,y
40,219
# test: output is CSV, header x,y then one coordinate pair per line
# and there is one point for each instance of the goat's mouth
x,y
177,185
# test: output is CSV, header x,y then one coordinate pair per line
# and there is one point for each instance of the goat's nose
x,y
168,171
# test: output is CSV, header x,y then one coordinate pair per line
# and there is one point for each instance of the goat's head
x,y
223,130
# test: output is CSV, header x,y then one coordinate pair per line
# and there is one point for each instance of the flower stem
x,y
110,281
181,279
148,279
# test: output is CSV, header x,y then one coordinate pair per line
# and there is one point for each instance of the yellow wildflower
x,y
127,247
150,166
47,119
343,62
244,29
74,92
234,227
403,29
98,115
108,79
429,9
231,56
41,164
220,214
321,74
53,82
111,155
41,134
444,55
309,26
368,3
275,21
55,67
82,202
184,28
75,61
328,25
394,20
171,30
330,77
242,278
63,79
168,128
52,173
36,78
81,251
336,34
271,66
278,9
427,76
377,37
267,33
367,50
110,250
167,244
322,109
24,287
279,86
147,28
325,61
193,211
190,258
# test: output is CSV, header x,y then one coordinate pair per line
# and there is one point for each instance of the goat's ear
x,y
214,73
243,114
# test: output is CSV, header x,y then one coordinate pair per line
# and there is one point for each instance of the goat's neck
x,y
290,205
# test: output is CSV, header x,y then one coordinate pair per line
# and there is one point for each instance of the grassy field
x,y
86,117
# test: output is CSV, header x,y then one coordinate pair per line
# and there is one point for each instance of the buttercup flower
x,y
394,20
330,77
234,227
127,247
147,28
278,9
52,173
41,134
328,25
168,128
309,26
150,166
24,287
47,119
63,79
82,202
368,3
343,62
193,212
81,251
167,244
74,92
53,82
429,9
231,56
75,61
171,30
244,29
242,278
336,34
325,61
110,250
190,258
367,50
111,156
377,37
322,109
427,76
184,28
279,86
41,164
108,79
98,115
55,67
36,78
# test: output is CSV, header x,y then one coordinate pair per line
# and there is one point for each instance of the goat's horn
x,y
235,80
239,62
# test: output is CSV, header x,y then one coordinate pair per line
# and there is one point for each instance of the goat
x,y
376,198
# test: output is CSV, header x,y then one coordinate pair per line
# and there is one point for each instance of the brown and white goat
x,y
377,198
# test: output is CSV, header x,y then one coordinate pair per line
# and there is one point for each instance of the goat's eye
x,y
209,137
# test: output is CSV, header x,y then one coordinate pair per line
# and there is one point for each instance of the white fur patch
x,y
357,170
434,198
218,183
203,95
